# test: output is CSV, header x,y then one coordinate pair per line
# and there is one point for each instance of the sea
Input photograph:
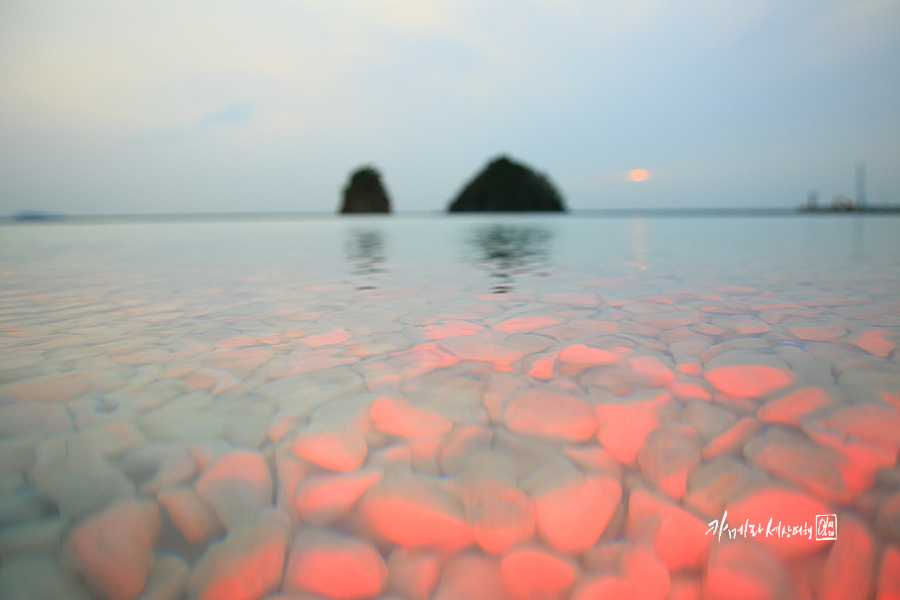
x,y
451,406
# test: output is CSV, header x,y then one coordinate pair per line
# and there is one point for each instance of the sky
x,y
171,106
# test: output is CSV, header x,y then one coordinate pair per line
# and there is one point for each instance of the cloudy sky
x,y
159,106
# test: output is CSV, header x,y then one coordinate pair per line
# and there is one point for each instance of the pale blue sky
x,y
126,106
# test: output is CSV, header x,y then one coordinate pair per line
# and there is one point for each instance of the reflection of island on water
x,y
509,250
365,253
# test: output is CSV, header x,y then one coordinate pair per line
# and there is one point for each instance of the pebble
x,y
323,499
889,574
396,416
849,571
413,574
237,487
193,518
667,458
498,512
573,512
114,550
38,577
246,565
678,537
795,407
625,422
749,381
334,565
742,570
472,576
415,511
532,573
771,507
550,414
790,456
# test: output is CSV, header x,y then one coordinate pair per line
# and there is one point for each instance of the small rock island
x,y
365,193
504,186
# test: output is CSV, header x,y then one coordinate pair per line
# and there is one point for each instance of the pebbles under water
x,y
256,422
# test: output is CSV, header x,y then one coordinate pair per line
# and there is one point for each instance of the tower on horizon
x,y
861,186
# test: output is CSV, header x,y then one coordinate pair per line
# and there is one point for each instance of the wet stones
x,y
415,511
114,550
246,565
334,565
549,414
237,487
572,512
584,437
531,572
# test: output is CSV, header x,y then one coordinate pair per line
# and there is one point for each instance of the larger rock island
x,y
504,186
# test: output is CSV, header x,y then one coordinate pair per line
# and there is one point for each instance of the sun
x,y
637,175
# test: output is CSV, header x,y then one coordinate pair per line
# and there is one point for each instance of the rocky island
x,y
504,186
365,193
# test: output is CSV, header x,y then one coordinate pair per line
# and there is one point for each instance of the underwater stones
x,y
396,416
364,193
167,579
849,571
794,407
451,328
114,550
572,512
415,511
526,324
622,428
504,185
677,536
585,356
62,386
322,499
532,572
876,342
38,577
334,565
413,574
749,381
193,518
771,508
667,458
793,458
742,570
634,564
549,414
246,565
237,487
460,445
499,514
889,574
38,418
334,438
471,575
712,485
819,333
77,477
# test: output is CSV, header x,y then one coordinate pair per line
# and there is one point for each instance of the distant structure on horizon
x,y
364,193
844,203
507,186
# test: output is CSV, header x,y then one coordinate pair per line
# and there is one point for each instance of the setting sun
x,y
638,175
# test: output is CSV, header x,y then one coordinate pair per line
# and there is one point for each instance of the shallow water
x,y
451,407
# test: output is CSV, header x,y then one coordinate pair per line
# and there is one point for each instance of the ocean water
x,y
451,407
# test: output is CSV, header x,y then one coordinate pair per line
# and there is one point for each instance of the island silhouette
x,y
364,193
508,186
